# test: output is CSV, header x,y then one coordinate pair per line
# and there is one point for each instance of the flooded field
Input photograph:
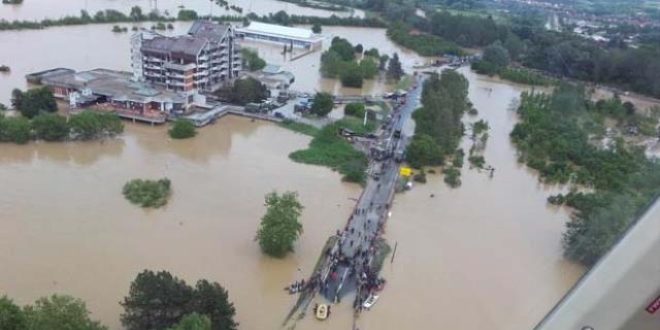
x,y
40,9
486,255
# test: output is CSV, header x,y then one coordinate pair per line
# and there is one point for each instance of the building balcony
x,y
180,67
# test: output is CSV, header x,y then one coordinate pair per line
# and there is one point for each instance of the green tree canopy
x,y
394,69
280,227
316,28
323,103
59,312
424,151
187,15
34,101
14,129
244,91
136,14
11,316
368,67
193,321
497,55
159,301
182,129
50,127
351,75
355,109
251,60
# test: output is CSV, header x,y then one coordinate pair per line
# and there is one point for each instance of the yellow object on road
x,y
405,171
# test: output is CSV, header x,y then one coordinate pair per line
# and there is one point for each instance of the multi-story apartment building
x,y
201,60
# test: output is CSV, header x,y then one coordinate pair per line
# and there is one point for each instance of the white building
x,y
278,34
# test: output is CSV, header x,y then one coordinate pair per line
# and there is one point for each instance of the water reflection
x,y
82,153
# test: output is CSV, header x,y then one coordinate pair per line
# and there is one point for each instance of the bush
x,y
452,177
182,129
50,127
34,101
280,226
420,177
14,129
355,109
477,161
147,193
90,125
251,60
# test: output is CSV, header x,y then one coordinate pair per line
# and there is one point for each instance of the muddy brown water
x,y
486,255
40,9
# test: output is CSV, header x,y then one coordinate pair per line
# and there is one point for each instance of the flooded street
x,y
484,256
40,9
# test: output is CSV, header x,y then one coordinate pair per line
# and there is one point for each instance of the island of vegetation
x,y
280,226
438,125
563,136
328,148
4,68
182,129
12,2
148,193
340,61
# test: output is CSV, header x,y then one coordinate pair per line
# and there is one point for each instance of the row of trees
x,y
554,138
282,18
422,43
53,127
438,127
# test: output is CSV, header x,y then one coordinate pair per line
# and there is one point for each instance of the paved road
x,y
350,263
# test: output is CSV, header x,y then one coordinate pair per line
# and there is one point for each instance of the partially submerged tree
x,y
59,312
280,227
322,104
159,301
182,129
394,69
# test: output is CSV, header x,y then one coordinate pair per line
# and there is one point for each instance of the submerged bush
x,y
148,193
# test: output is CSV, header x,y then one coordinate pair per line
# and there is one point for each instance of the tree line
x,y
562,54
156,301
438,125
553,137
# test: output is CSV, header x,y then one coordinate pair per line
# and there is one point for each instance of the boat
x,y
322,312
371,300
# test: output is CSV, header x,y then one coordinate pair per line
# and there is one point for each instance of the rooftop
x,y
207,29
188,45
114,84
258,27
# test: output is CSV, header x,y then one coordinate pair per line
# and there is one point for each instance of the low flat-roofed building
x,y
278,34
114,90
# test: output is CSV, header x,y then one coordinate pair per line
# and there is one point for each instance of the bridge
x,y
622,291
350,262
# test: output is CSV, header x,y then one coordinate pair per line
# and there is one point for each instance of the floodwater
x,y
88,47
67,228
40,9
486,255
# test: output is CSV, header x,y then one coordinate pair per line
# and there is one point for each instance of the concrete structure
x,y
201,60
622,291
274,77
301,38
114,91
